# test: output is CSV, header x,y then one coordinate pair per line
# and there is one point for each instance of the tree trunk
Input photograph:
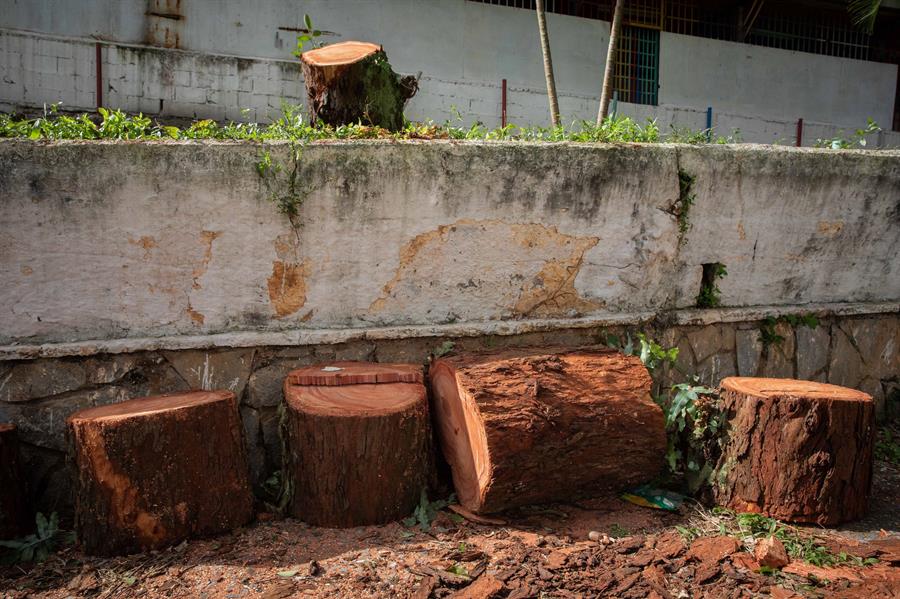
x,y
15,517
154,471
356,442
548,63
606,94
352,82
531,426
796,450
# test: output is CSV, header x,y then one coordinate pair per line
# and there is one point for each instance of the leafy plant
x,y
768,334
682,207
37,547
443,349
858,139
710,294
426,511
651,353
307,37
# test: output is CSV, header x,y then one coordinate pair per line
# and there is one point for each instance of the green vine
x,y
282,184
682,207
768,335
710,294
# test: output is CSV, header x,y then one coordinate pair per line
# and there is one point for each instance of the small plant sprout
x,y
308,36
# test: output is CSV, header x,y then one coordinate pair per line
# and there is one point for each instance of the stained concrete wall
x,y
464,49
105,241
132,269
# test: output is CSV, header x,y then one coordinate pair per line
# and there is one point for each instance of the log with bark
x,y
798,451
15,516
531,426
151,472
356,441
352,82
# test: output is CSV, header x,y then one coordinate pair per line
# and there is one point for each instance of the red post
x,y
799,132
503,106
99,61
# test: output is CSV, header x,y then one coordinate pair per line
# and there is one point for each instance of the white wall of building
x,y
463,49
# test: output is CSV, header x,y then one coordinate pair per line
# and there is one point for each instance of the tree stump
x,y
796,450
15,519
356,442
352,82
532,426
154,471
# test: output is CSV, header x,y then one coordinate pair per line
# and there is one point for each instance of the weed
x,y
682,207
769,336
887,447
37,547
710,294
857,140
307,37
443,349
426,511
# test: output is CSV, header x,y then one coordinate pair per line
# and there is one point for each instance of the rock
x,y
846,368
256,453
711,340
713,549
715,368
41,378
780,356
770,553
812,352
264,385
208,370
749,351
104,370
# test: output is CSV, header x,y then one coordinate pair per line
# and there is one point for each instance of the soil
x,y
543,551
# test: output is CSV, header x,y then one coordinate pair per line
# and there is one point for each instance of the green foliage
x,y
37,547
308,37
651,353
887,447
855,141
710,294
426,511
682,207
685,135
459,570
767,330
282,184
443,349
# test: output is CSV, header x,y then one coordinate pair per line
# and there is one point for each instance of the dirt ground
x,y
538,552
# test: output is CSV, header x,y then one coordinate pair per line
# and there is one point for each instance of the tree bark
x,y
531,426
352,82
356,443
15,517
606,94
796,450
548,62
151,472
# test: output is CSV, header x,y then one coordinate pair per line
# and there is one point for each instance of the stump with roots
x,y
154,471
15,518
356,439
533,426
798,451
352,82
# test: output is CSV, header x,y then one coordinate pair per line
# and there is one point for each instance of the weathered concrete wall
x,y
38,395
139,268
101,241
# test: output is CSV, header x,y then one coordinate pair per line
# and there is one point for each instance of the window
x,y
636,76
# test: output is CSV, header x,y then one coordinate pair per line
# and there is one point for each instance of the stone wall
x,y
38,395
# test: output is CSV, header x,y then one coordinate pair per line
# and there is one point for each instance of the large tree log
x,y
353,82
154,471
531,426
796,450
356,442
15,517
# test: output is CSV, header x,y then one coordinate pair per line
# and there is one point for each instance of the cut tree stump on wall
x,y
532,426
798,451
352,82
15,518
154,471
356,439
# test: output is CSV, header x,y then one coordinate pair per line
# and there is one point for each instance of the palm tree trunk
x,y
606,94
548,63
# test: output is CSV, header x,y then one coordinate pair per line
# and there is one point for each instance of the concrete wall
x,y
464,50
142,268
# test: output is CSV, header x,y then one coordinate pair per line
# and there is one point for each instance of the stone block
x,y
264,389
25,381
846,365
812,352
256,455
228,369
779,356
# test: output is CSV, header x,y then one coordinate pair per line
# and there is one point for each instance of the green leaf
x,y
288,573
308,21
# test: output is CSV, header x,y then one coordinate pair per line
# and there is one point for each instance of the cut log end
x,y
356,452
339,54
799,451
527,426
152,472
